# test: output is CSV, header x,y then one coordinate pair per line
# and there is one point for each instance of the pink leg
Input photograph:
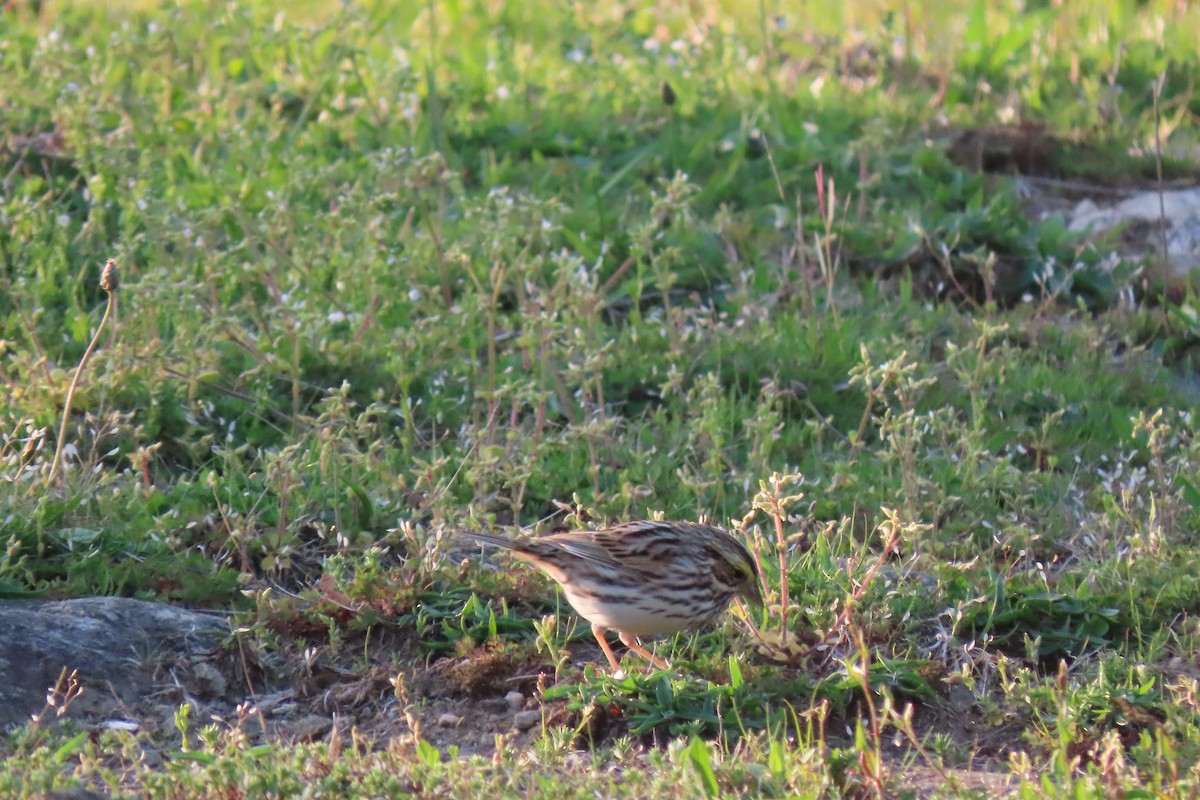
x,y
633,644
598,631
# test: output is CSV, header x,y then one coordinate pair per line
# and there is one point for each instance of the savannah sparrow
x,y
642,578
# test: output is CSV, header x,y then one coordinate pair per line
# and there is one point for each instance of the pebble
x,y
515,700
449,720
209,682
310,728
268,703
524,720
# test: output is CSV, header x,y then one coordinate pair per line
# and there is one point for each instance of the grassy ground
x,y
391,270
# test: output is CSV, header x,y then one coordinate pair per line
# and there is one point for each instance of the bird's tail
x,y
487,538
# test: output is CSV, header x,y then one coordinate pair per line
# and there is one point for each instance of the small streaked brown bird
x,y
642,578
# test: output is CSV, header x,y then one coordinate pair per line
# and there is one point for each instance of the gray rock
x,y
1180,210
75,794
208,680
524,720
309,728
115,643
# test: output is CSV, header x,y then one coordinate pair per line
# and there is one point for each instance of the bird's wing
x,y
605,548
582,544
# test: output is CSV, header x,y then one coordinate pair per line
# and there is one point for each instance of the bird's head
x,y
741,570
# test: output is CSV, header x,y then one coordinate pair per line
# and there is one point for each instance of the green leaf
x,y
427,754
70,747
1190,492
196,756
664,694
698,755
80,326
775,760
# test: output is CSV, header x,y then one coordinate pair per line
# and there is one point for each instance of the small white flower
x,y
414,294
410,104
63,220
575,55
502,92
335,317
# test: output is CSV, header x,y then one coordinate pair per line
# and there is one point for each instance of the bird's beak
x,y
752,591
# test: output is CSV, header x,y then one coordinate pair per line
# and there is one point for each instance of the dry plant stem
x,y
962,292
856,595
826,258
781,546
612,282
902,721
871,767
862,425
368,319
108,281
58,700
238,542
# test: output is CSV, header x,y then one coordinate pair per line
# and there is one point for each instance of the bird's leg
x,y
633,644
598,631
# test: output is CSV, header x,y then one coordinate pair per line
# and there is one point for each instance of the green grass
x,y
393,269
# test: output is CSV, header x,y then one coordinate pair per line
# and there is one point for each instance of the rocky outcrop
x,y
118,645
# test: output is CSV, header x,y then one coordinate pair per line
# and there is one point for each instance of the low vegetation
x,y
387,271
